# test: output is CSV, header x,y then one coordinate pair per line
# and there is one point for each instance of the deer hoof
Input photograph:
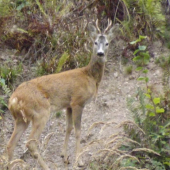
x,y
80,163
25,155
66,160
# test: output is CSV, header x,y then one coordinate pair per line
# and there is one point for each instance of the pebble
x,y
156,73
131,77
151,59
116,74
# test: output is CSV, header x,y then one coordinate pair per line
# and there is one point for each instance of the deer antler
x,y
108,26
97,26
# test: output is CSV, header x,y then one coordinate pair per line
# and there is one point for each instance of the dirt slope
x,y
110,105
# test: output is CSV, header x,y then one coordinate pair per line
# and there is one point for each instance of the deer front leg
x,y
77,114
69,127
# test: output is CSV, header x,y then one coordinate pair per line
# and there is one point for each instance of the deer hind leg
x,y
19,128
38,125
69,127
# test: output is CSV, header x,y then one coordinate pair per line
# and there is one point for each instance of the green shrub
x,y
145,17
9,73
128,70
150,112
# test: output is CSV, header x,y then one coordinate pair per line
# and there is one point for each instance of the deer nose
x,y
100,54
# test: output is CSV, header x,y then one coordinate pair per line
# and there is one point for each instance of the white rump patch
x,y
14,100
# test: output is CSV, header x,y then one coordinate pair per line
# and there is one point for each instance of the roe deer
x,y
33,100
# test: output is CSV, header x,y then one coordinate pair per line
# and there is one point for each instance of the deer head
x,y
101,40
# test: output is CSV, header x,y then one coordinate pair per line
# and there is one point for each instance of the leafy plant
x,y
149,113
7,92
128,70
58,114
9,73
5,88
144,17
3,105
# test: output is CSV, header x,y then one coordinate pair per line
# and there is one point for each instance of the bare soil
x,y
110,105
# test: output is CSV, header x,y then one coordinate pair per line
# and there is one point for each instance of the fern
x,y
145,16
5,88
7,92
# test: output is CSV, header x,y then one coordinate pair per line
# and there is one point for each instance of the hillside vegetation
x,y
40,37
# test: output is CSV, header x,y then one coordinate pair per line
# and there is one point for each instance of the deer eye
x,y
107,44
95,43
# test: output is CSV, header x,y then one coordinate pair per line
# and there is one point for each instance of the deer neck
x,y
95,69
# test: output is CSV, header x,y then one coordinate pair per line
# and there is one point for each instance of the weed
x,y
7,92
58,114
128,70
150,115
163,61
62,61
9,73
147,18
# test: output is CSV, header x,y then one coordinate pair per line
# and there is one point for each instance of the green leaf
x,y
146,57
20,7
22,30
146,79
139,68
168,124
159,110
142,47
138,40
149,106
149,90
148,95
134,42
145,71
156,100
166,163
141,78
136,51
0,117
141,37
2,81
151,114
137,58
62,61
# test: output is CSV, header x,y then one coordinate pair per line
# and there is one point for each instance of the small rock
x,y
151,59
116,74
151,66
131,77
156,73
105,104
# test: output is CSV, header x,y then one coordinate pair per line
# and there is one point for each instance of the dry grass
x,y
130,167
107,150
19,164
145,150
132,125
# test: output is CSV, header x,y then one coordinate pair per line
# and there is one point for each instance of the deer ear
x,y
93,32
113,31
